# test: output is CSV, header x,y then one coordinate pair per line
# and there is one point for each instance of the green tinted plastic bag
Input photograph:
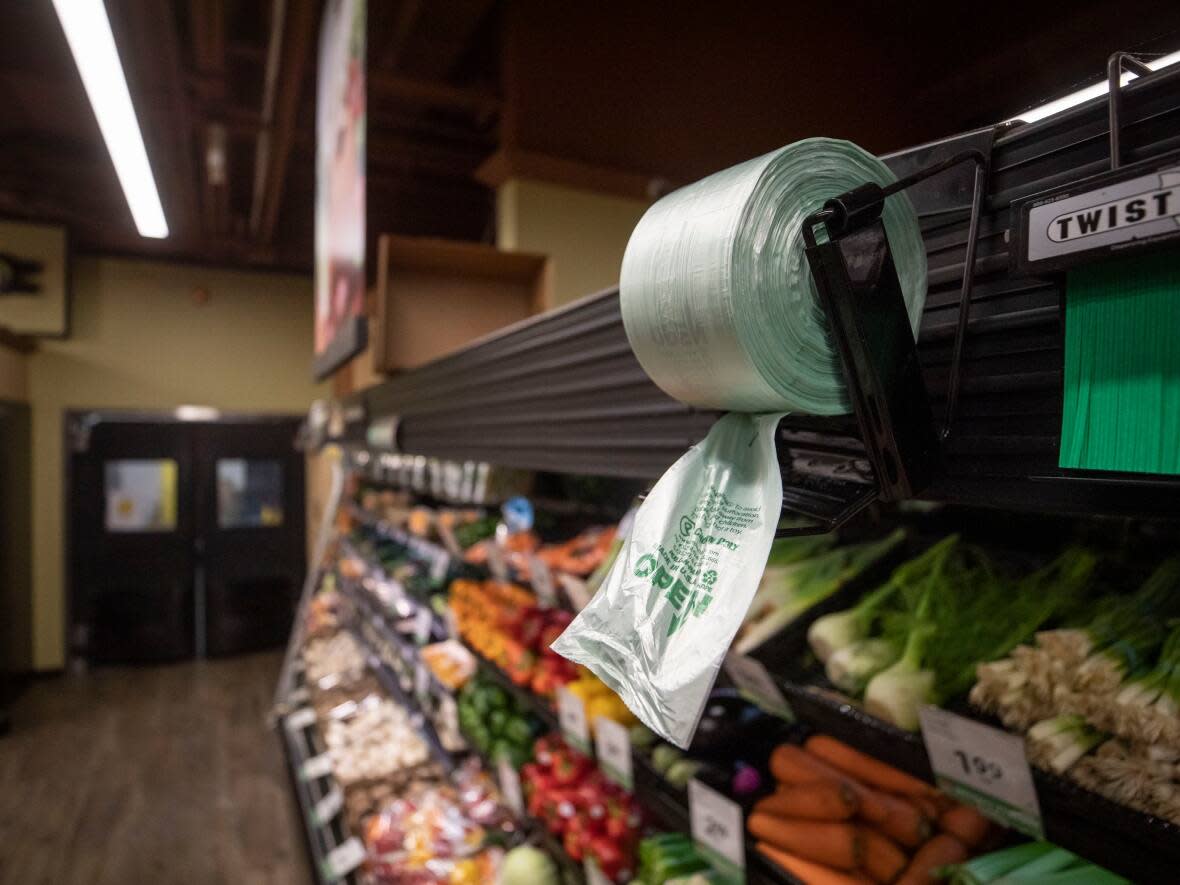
x,y
659,627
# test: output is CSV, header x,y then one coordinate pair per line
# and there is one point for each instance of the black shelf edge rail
x,y
319,837
563,392
1127,842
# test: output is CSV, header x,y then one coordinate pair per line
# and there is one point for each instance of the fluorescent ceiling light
x,y
197,413
88,32
1075,98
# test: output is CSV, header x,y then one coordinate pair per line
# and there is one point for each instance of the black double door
x,y
186,538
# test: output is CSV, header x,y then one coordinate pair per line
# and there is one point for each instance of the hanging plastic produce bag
x,y
657,630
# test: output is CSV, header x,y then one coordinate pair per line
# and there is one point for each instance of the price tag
x,y
496,564
449,541
421,681
440,561
593,873
984,767
543,584
510,786
753,681
718,830
572,713
316,766
423,621
452,623
302,718
612,744
329,806
344,858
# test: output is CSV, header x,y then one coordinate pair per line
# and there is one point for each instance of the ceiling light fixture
x,y
88,32
1075,98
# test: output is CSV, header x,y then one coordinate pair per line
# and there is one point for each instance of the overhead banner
x,y
340,330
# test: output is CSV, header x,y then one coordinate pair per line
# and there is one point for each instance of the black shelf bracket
x,y
861,295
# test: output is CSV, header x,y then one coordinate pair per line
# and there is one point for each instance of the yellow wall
x,y
585,233
140,341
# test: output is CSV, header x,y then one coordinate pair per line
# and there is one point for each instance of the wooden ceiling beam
x,y
422,93
293,27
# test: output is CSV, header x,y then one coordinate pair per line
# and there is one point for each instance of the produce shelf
x,y
320,839
391,684
1136,845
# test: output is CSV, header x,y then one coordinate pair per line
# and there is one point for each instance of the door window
x,y
249,493
140,495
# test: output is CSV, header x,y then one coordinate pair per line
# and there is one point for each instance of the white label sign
x,y
510,786
753,680
543,581
452,623
440,561
302,718
612,744
594,875
423,621
421,680
344,858
315,767
982,766
718,829
572,713
496,564
329,806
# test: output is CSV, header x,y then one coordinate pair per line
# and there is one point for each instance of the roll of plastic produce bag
x,y
717,296
720,308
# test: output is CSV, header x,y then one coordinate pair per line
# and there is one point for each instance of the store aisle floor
x,y
148,775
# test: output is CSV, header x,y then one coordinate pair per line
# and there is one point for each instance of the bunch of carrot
x,y
839,817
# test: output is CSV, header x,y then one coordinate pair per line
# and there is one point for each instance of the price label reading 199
x,y
981,767
984,767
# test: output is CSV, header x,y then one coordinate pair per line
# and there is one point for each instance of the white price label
x,y
452,623
612,744
344,858
302,718
423,621
982,766
329,806
753,680
316,767
718,829
496,564
572,713
448,538
440,561
510,786
543,584
593,873
448,713
421,680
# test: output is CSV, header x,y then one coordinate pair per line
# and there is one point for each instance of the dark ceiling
x,y
665,89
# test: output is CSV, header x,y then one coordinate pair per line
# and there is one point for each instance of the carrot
x,y
898,819
793,765
808,871
938,852
824,800
837,845
883,860
865,768
965,824
927,806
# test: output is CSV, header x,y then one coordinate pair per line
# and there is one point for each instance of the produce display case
x,y
563,393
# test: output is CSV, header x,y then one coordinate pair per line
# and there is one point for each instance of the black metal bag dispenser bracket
x,y
860,293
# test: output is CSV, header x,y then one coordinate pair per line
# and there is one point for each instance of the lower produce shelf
x,y
1127,842
326,840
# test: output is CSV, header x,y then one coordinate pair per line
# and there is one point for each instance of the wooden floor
x,y
159,775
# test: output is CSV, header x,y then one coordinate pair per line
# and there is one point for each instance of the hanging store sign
x,y
1131,208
